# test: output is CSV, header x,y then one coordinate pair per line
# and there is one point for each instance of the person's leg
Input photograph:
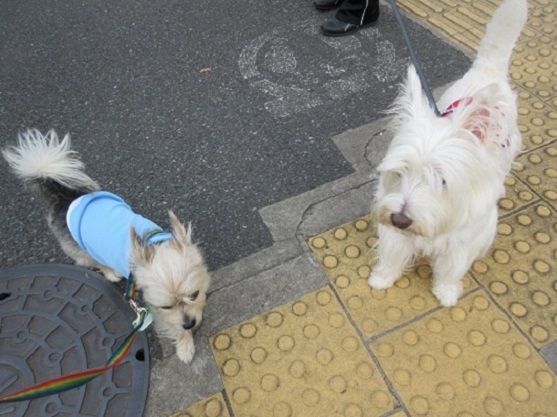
x,y
326,4
352,15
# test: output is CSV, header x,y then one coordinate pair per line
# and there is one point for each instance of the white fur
x,y
172,275
445,174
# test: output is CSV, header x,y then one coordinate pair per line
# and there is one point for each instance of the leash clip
x,y
144,316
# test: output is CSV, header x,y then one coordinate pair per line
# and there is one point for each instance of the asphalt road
x,y
214,108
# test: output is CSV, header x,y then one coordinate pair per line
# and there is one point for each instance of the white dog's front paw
x,y
448,294
185,349
379,282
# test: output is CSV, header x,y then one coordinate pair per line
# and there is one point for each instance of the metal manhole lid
x,y
59,319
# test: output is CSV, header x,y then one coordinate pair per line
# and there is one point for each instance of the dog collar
x,y
466,101
157,236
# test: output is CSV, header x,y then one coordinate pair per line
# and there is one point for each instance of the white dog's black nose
x,y
400,220
189,323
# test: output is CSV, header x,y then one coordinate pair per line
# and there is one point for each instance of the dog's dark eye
x,y
443,181
166,307
194,296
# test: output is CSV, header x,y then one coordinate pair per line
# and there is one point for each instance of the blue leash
x,y
415,61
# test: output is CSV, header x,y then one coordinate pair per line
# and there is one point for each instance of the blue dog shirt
x,y
100,223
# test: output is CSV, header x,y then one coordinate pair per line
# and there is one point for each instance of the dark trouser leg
x,y
358,12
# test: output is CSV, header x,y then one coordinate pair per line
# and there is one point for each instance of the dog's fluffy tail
x,y
501,35
49,166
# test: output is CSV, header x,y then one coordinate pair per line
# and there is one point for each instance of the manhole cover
x,y
57,319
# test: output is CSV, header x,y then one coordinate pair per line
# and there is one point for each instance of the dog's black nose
x,y
400,220
189,323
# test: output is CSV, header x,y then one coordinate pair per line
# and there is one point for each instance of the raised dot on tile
x,y
231,367
410,337
476,338
480,267
472,378
522,247
498,288
297,369
535,159
452,350
342,281
340,234
540,298
311,331
501,257
550,195
337,384
350,344
248,331
500,326
393,314
369,325
520,393
269,383
318,243
506,204
457,314
323,298
222,342
541,266
379,295
417,303
241,395
336,320
282,409
403,283
385,350
497,364
364,370
534,180
419,405
434,326
274,319
402,377
380,399
355,302
524,220
480,302
423,271
518,309
213,408
520,277
299,308
325,356
258,355
310,397
521,350
427,363
352,251
353,410
542,237
550,172
330,261
445,390
539,333
493,406
544,379
361,225
543,211
364,271
285,343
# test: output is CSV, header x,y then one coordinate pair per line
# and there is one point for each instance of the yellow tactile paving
x,y
517,196
538,169
210,407
345,255
301,359
467,361
520,271
537,121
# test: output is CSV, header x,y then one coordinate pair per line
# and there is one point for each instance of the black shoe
x,y
326,4
335,27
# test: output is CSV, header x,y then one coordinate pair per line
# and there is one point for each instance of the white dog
x,y
442,176
98,229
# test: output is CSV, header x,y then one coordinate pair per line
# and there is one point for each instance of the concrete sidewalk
x,y
296,331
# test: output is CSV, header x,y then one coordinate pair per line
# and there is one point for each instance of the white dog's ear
x,y
179,231
142,253
411,102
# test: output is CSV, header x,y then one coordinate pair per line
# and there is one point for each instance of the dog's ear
x,y
411,102
142,253
179,231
